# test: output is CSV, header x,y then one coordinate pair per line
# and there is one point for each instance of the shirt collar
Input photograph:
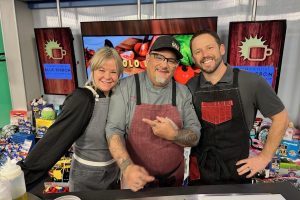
x,y
226,78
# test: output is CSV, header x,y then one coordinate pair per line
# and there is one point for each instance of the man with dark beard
x,y
151,119
226,102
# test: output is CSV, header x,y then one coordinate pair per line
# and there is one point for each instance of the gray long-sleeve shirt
x,y
123,102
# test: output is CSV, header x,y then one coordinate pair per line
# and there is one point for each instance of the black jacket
x,y
68,127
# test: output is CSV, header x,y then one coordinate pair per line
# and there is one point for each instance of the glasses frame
x,y
162,58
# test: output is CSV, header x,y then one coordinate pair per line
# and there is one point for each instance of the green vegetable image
x,y
184,41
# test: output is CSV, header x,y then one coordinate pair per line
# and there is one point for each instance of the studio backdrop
x,y
258,47
57,60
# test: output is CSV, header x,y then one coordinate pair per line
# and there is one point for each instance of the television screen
x,y
133,39
132,49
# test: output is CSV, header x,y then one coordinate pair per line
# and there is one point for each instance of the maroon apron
x,y
163,159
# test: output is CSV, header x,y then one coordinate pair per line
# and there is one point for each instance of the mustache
x,y
163,69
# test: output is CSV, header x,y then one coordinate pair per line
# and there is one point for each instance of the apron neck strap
x,y
138,90
173,92
235,77
96,95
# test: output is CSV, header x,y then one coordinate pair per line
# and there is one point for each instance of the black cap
x,y
167,42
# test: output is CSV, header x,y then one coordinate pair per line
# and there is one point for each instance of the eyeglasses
x,y
172,62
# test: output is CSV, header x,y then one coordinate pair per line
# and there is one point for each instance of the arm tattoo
x,y
115,143
124,163
186,138
118,151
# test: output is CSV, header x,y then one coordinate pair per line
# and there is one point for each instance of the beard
x,y
161,80
218,62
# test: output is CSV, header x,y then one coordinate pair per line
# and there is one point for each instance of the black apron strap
x,y
173,92
235,77
198,85
138,90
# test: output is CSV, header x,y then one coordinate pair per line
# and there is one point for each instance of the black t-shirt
x,y
256,93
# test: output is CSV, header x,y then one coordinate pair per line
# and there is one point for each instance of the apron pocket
x,y
217,112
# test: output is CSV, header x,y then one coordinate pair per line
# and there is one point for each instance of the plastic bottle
x,y
13,173
5,190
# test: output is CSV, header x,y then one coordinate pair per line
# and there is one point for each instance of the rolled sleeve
x,y
189,116
116,119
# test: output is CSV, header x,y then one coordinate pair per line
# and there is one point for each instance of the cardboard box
x,y
42,126
289,149
16,115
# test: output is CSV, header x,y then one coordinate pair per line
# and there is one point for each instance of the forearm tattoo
x,y
124,163
186,138
118,151
115,144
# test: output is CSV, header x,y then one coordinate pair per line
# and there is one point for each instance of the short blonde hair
x,y
100,57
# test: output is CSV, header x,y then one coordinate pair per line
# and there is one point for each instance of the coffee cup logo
x,y
54,50
254,49
259,53
58,53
